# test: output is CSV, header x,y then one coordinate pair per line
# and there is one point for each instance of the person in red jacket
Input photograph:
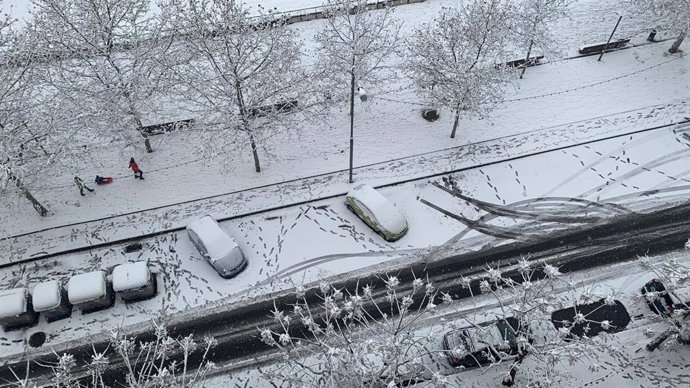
x,y
135,167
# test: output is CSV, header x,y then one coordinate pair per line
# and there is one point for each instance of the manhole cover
x,y
37,339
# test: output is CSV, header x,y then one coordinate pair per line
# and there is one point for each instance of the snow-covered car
x,y
221,250
377,212
134,281
16,310
90,291
483,344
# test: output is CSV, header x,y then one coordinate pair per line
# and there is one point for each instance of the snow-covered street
x,y
576,143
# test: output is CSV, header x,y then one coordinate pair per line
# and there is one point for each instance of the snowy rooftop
x,y
12,302
131,276
46,295
86,287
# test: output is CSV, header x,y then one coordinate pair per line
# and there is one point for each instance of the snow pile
x,y
131,276
385,212
86,287
46,295
218,244
12,302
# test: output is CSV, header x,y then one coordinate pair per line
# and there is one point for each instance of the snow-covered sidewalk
x,y
300,191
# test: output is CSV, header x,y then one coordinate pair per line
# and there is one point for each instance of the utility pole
x,y
352,115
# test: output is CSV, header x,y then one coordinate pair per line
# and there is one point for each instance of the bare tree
x,y
23,148
368,338
533,19
676,12
104,54
672,276
452,60
160,363
243,75
355,340
353,49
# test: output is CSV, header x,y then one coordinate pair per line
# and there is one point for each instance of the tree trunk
x,y
140,125
529,51
147,142
352,120
676,45
40,209
257,165
455,124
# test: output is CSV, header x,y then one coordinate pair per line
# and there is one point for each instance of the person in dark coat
x,y
135,167
81,186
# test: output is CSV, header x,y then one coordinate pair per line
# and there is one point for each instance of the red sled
x,y
100,180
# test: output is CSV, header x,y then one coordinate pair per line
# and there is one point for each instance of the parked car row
x,y
225,256
89,292
497,340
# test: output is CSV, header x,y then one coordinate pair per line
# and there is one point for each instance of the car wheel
x,y
380,233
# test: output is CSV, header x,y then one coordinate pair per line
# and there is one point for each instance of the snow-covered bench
x,y
599,47
90,291
134,281
533,61
16,310
50,299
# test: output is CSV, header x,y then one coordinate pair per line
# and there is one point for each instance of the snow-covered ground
x,y
321,239
388,127
557,104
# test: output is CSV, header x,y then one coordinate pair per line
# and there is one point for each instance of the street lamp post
x,y
362,97
352,121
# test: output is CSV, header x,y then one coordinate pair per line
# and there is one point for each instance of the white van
x,y
221,251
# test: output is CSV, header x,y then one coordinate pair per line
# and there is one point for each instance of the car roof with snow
x,y
46,295
12,302
383,209
217,242
86,287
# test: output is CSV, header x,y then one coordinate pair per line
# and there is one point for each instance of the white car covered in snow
x,y
221,250
377,212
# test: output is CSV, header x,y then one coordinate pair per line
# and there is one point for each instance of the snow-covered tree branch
x,y
664,297
29,142
452,61
243,75
355,340
533,19
676,12
104,54
162,362
353,48
371,338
